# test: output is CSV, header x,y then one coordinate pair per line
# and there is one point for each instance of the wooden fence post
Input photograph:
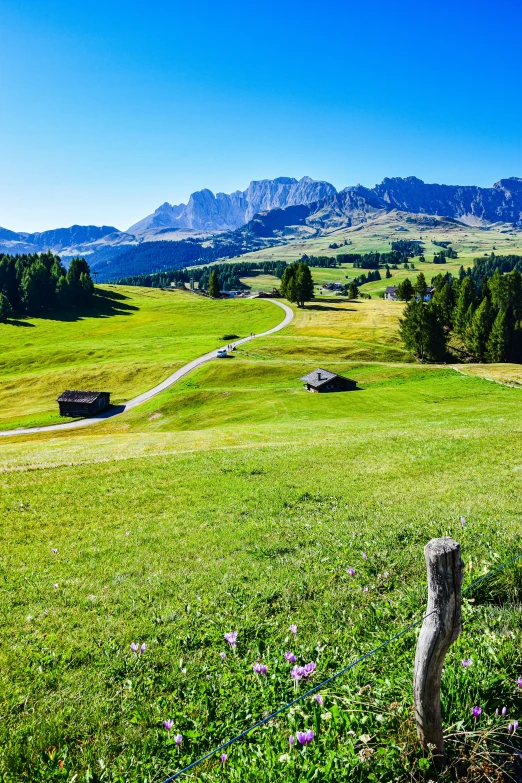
x,y
439,630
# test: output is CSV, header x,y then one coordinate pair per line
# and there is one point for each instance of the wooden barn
x,y
324,381
83,403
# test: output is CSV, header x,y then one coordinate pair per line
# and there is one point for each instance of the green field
x,y
131,340
237,501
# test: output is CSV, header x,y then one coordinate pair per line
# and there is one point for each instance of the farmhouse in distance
x,y
324,381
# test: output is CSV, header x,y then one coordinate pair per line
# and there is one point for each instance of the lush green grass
x,y
130,341
237,501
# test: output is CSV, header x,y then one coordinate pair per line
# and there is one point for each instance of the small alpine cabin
x,y
324,381
83,403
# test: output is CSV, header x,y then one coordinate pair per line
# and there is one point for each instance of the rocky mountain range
x,y
228,211
267,208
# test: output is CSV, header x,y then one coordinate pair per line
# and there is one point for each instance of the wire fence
x,y
328,680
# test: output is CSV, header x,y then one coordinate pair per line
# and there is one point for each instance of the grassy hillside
x,y
238,501
131,340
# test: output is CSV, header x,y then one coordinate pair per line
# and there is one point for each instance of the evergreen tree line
x,y
225,271
407,247
369,278
325,262
486,318
297,284
487,266
35,282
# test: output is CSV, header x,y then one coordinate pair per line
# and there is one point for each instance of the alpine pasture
x,y
237,502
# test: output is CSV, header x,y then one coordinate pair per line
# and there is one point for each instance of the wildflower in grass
x,y
504,710
366,589
351,571
291,740
208,676
55,586
293,628
297,673
178,739
260,668
319,699
305,737
386,575
515,726
476,711
290,657
231,638
134,647
463,521
224,758
143,648
168,724
364,556
519,682
223,655
309,669
127,532
466,663
54,551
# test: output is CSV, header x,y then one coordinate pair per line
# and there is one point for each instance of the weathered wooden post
x,y
439,630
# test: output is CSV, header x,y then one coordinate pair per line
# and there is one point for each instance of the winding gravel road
x,y
176,376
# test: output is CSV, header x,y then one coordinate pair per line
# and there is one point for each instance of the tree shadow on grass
x,y
106,304
326,307
16,322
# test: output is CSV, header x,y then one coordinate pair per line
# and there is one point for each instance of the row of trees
x,y
486,319
35,282
229,273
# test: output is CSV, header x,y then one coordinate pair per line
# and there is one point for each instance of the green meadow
x,y
237,501
131,340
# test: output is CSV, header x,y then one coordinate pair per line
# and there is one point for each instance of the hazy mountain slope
x,y
57,240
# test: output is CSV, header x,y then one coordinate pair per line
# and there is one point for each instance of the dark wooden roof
x,y
319,377
80,396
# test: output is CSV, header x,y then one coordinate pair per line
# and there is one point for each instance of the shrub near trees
x,y
297,284
488,321
32,283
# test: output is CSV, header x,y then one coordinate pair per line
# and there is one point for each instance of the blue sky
x,y
108,109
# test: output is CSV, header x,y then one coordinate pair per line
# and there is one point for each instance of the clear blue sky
x,y
109,108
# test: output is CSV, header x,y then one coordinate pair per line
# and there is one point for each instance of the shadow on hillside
x,y
326,307
16,322
106,304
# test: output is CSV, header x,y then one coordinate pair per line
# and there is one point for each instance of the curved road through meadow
x,y
176,376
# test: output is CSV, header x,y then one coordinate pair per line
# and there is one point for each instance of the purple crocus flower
x,y
510,728
168,724
224,758
515,726
305,737
504,710
519,682
463,521
134,647
366,589
364,556
290,657
223,655
143,648
351,572
319,699
476,711
293,628
297,673
55,586
231,638
309,668
386,575
54,550
291,740
260,668
178,739
467,663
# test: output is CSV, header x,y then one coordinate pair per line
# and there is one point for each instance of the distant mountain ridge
x,y
264,212
228,211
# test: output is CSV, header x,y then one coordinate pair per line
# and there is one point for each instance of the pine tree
x,y
464,306
304,284
498,343
388,273
405,290
443,298
477,334
420,287
353,291
6,311
422,331
213,285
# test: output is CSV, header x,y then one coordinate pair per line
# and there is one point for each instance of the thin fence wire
x,y
322,684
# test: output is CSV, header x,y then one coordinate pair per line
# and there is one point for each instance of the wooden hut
x,y
324,381
83,403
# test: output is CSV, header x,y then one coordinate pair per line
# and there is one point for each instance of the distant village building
x,y
391,293
324,381
83,403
